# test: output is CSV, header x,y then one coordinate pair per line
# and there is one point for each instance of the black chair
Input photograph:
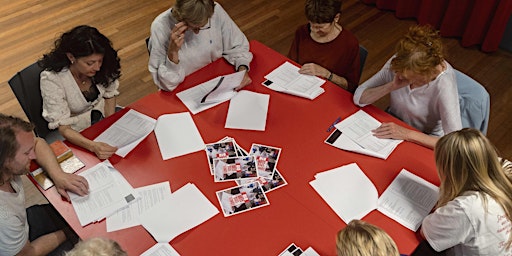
x,y
26,87
147,43
363,53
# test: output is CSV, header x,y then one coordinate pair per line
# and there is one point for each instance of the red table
x,y
296,212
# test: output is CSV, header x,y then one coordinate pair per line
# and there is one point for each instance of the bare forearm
x,y
422,139
44,244
110,106
46,158
370,95
76,138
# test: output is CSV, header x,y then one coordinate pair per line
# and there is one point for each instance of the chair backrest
x,y
474,101
147,44
363,53
25,85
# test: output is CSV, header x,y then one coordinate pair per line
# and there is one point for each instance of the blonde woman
x,y
474,211
422,88
360,238
97,247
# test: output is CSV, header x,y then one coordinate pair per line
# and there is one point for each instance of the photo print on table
x,y
221,149
267,184
234,168
266,159
241,198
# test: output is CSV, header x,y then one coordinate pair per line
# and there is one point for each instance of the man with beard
x,y
39,229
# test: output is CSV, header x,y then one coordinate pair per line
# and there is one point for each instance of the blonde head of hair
x,y
419,51
97,246
193,12
360,238
467,161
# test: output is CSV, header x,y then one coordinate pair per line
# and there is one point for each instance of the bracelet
x,y
330,77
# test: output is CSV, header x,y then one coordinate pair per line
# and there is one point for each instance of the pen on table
x,y
333,124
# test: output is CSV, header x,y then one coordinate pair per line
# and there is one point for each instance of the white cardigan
x,y
64,103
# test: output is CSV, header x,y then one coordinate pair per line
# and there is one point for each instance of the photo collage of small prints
x,y
254,172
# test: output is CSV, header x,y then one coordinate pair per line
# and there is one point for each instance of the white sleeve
x,y
385,75
235,44
166,74
55,105
448,226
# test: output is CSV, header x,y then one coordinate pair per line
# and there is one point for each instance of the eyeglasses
x,y
205,27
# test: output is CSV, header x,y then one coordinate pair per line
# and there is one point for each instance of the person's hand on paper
x,y
246,80
392,131
313,69
176,41
103,150
70,182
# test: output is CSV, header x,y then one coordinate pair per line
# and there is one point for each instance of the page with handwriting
x,y
127,132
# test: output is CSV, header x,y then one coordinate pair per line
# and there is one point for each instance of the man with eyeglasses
x,y
190,35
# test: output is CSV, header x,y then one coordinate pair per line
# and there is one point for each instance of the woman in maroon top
x,y
324,47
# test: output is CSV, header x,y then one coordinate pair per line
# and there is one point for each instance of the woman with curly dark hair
x,y
79,85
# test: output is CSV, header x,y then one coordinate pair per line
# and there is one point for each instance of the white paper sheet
x,y
127,132
108,192
161,249
356,136
192,97
130,216
351,195
226,88
185,209
347,190
248,111
408,199
286,78
177,135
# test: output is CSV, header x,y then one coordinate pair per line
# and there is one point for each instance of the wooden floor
x,y
29,27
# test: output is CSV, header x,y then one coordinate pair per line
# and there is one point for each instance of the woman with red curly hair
x,y
422,88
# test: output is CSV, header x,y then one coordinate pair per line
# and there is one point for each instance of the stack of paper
x,y
127,132
351,195
183,210
355,134
177,135
211,93
130,216
108,192
286,78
